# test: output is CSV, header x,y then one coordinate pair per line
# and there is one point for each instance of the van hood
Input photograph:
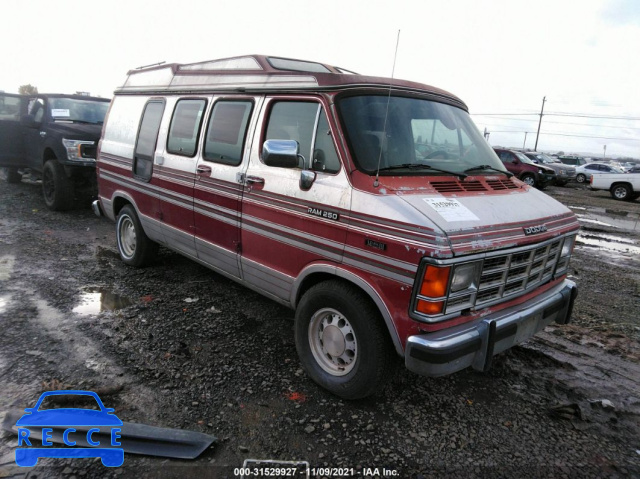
x,y
484,222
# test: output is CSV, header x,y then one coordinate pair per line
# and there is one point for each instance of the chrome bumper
x,y
448,351
97,209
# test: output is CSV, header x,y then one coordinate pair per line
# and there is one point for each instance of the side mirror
x,y
280,153
307,178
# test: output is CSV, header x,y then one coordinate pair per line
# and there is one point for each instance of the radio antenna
x,y
386,114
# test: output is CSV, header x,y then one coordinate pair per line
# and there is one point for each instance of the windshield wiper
x,y
488,167
413,166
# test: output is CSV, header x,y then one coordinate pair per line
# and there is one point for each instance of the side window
x,y
185,127
506,157
291,120
147,139
9,107
227,131
36,109
325,157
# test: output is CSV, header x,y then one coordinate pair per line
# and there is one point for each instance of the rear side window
x,y
147,139
185,127
227,131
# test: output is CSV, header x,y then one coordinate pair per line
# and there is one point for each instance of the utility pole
x,y
535,148
605,152
525,139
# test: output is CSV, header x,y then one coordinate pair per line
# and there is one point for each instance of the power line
x,y
566,123
566,134
578,115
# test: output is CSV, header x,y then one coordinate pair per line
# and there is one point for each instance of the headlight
x,y
75,149
542,172
567,246
465,276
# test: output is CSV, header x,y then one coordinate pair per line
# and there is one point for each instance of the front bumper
x,y
97,208
448,351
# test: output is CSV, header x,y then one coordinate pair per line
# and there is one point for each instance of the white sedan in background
x,y
584,172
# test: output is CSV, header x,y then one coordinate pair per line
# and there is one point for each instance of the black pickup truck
x,y
53,137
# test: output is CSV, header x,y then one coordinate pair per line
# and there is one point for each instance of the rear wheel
x,y
342,341
57,188
581,178
134,246
11,175
621,192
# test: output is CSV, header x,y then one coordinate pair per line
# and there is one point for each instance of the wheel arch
x,y
621,183
317,273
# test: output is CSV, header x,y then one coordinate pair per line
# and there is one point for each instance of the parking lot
x,y
176,345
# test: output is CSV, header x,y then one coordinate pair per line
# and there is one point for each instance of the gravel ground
x,y
175,345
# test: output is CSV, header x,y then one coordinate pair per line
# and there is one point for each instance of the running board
x,y
134,438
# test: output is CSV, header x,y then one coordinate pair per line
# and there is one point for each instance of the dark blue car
x,y
62,423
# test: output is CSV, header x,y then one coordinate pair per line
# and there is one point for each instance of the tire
x,y
11,175
342,341
621,191
134,246
529,179
57,188
561,183
581,178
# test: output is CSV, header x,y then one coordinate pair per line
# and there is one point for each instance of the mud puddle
x,y
94,300
607,217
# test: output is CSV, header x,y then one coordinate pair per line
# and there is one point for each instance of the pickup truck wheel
x,y
134,246
581,178
57,188
621,192
342,341
529,179
11,175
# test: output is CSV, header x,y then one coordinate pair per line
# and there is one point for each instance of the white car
x,y
584,172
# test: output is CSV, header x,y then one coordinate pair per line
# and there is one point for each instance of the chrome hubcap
x,y
127,236
333,342
620,193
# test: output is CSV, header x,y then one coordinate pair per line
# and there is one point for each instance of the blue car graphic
x,y
62,423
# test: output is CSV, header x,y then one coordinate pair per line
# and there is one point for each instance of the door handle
x,y
254,179
204,170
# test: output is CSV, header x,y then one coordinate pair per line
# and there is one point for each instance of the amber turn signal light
x,y
435,281
427,307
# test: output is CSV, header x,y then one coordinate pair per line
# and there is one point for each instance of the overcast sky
x,y
499,56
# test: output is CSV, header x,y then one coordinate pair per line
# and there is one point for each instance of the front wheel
x,y
621,192
581,178
529,179
57,188
134,246
342,341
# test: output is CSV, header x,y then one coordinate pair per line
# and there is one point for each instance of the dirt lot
x,y
175,345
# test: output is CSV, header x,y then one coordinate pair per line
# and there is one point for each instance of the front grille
x,y
520,271
507,275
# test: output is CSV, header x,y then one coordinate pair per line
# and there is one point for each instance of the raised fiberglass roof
x,y
258,73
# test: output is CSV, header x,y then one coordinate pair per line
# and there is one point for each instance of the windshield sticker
x,y
60,112
451,210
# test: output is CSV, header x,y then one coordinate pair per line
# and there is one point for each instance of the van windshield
x,y
413,136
